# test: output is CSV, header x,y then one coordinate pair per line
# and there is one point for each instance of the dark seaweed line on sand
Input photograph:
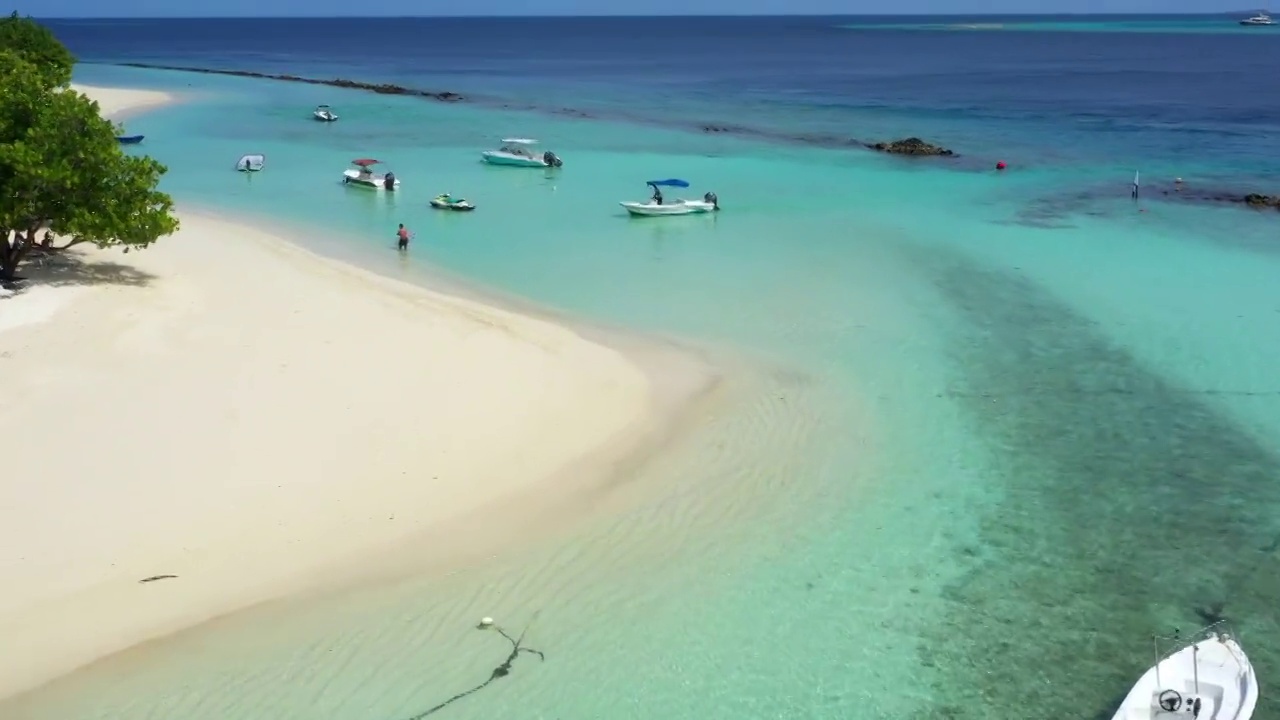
x,y
824,140
379,88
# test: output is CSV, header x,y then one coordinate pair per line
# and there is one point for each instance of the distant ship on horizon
x,y
1260,19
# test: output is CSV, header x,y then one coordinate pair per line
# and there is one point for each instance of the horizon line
x,y
621,16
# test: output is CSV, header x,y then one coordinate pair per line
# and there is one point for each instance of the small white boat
x,y
659,206
324,114
519,152
445,201
1260,19
251,163
362,175
677,207
1210,679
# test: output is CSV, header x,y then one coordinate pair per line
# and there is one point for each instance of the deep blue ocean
x,y
1079,94
993,429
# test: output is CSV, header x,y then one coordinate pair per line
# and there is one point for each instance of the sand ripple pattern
x,y
394,651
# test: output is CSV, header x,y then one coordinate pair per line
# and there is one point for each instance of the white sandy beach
x,y
232,410
117,103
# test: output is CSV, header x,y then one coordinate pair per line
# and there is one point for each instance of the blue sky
x,y
210,8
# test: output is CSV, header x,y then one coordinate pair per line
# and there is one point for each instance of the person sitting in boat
x,y
657,196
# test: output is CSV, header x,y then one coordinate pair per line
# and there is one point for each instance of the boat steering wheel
x,y
1170,700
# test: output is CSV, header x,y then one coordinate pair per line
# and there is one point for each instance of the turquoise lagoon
x,y
997,430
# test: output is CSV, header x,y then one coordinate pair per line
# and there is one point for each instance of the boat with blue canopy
x,y
660,206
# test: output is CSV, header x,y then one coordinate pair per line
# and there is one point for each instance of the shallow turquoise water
x,y
1000,434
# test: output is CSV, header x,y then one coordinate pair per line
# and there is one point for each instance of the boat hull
x,y
373,182
129,139
324,117
494,157
678,207
1213,673
251,163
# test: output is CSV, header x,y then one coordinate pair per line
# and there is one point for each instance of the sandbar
x,y
119,103
225,418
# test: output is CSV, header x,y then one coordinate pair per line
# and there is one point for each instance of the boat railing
x,y
1163,645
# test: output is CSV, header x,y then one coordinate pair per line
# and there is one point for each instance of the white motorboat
x,y
362,175
1260,19
519,152
251,163
659,206
324,114
1210,679
677,207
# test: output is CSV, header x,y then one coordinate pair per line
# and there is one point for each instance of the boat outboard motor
x,y
711,198
551,160
389,181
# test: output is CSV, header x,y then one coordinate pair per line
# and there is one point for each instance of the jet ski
x,y
445,201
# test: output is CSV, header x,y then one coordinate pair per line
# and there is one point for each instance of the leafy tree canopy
x,y
64,173
34,43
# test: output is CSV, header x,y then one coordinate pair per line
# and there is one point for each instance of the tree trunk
x,y
13,248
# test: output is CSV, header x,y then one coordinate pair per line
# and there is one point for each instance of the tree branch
x,y
501,671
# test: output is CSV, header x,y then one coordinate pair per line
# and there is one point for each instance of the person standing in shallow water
x,y
402,238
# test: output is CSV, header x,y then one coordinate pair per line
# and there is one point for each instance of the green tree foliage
x,y
62,174
33,42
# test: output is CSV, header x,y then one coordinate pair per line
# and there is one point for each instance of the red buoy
x,y
1000,165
